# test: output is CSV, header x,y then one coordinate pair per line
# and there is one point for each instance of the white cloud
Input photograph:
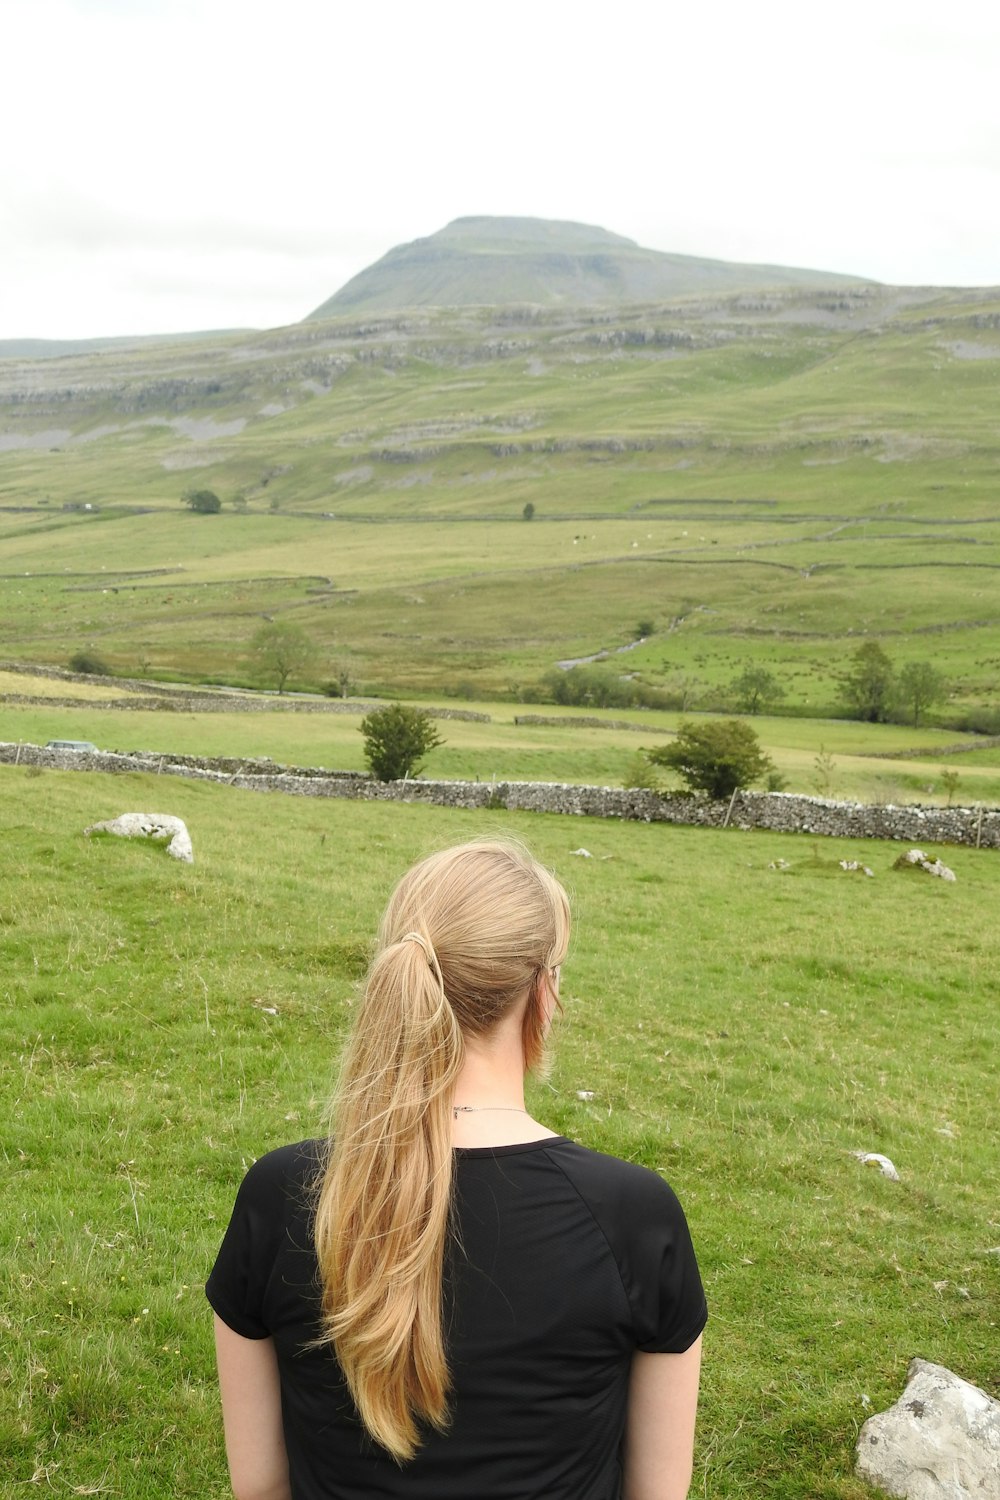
x,y
233,162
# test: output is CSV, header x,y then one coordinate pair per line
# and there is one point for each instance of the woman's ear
x,y
540,1004
548,996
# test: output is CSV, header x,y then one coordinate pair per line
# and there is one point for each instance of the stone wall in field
x,y
780,812
589,721
234,703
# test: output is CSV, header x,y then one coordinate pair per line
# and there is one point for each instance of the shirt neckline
x,y
514,1149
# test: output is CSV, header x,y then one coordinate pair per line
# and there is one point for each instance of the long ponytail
x,y
467,934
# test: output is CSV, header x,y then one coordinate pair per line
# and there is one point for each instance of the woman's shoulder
x,y
647,1232
285,1170
624,1186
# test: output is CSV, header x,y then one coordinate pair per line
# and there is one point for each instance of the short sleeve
x,y
647,1233
666,1292
238,1282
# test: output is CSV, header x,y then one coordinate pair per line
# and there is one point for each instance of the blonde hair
x,y
467,934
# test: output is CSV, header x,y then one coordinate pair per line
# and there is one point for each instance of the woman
x,y
448,1299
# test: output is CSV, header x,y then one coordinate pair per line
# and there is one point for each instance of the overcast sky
x,y
176,165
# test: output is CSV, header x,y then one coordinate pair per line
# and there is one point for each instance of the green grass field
x,y
767,480
490,607
860,759
20,684
743,1029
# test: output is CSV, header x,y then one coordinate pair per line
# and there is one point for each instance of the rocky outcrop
x,y
159,826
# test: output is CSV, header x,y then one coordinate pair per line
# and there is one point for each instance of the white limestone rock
x,y
917,858
941,1440
150,826
876,1159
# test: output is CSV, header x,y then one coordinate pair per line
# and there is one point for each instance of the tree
x,y
755,688
281,651
717,757
920,687
528,512
205,502
869,688
643,630
396,738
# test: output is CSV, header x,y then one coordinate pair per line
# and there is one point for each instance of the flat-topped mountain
x,y
487,261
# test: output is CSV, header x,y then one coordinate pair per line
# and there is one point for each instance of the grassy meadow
x,y
487,608
765,479
742,1028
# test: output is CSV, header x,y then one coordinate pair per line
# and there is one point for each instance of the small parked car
x,y
81,745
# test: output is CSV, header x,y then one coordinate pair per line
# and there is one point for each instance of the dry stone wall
x,y
780,812
590,721
216,704
161,698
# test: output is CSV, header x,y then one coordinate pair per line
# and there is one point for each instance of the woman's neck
x,y
488,1100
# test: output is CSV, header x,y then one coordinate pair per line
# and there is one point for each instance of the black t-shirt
x,y
565,1263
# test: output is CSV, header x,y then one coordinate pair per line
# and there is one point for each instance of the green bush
x,y
396,739
718,757
980,720
462,688
204,502
597,687
89,662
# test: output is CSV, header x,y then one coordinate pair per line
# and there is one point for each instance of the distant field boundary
x,y
211,703
777,812
587,721
152,697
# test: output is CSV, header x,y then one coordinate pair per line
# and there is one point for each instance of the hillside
x,y
32,349
495,262
761,476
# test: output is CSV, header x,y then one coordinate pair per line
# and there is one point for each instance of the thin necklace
x,y
475,1109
